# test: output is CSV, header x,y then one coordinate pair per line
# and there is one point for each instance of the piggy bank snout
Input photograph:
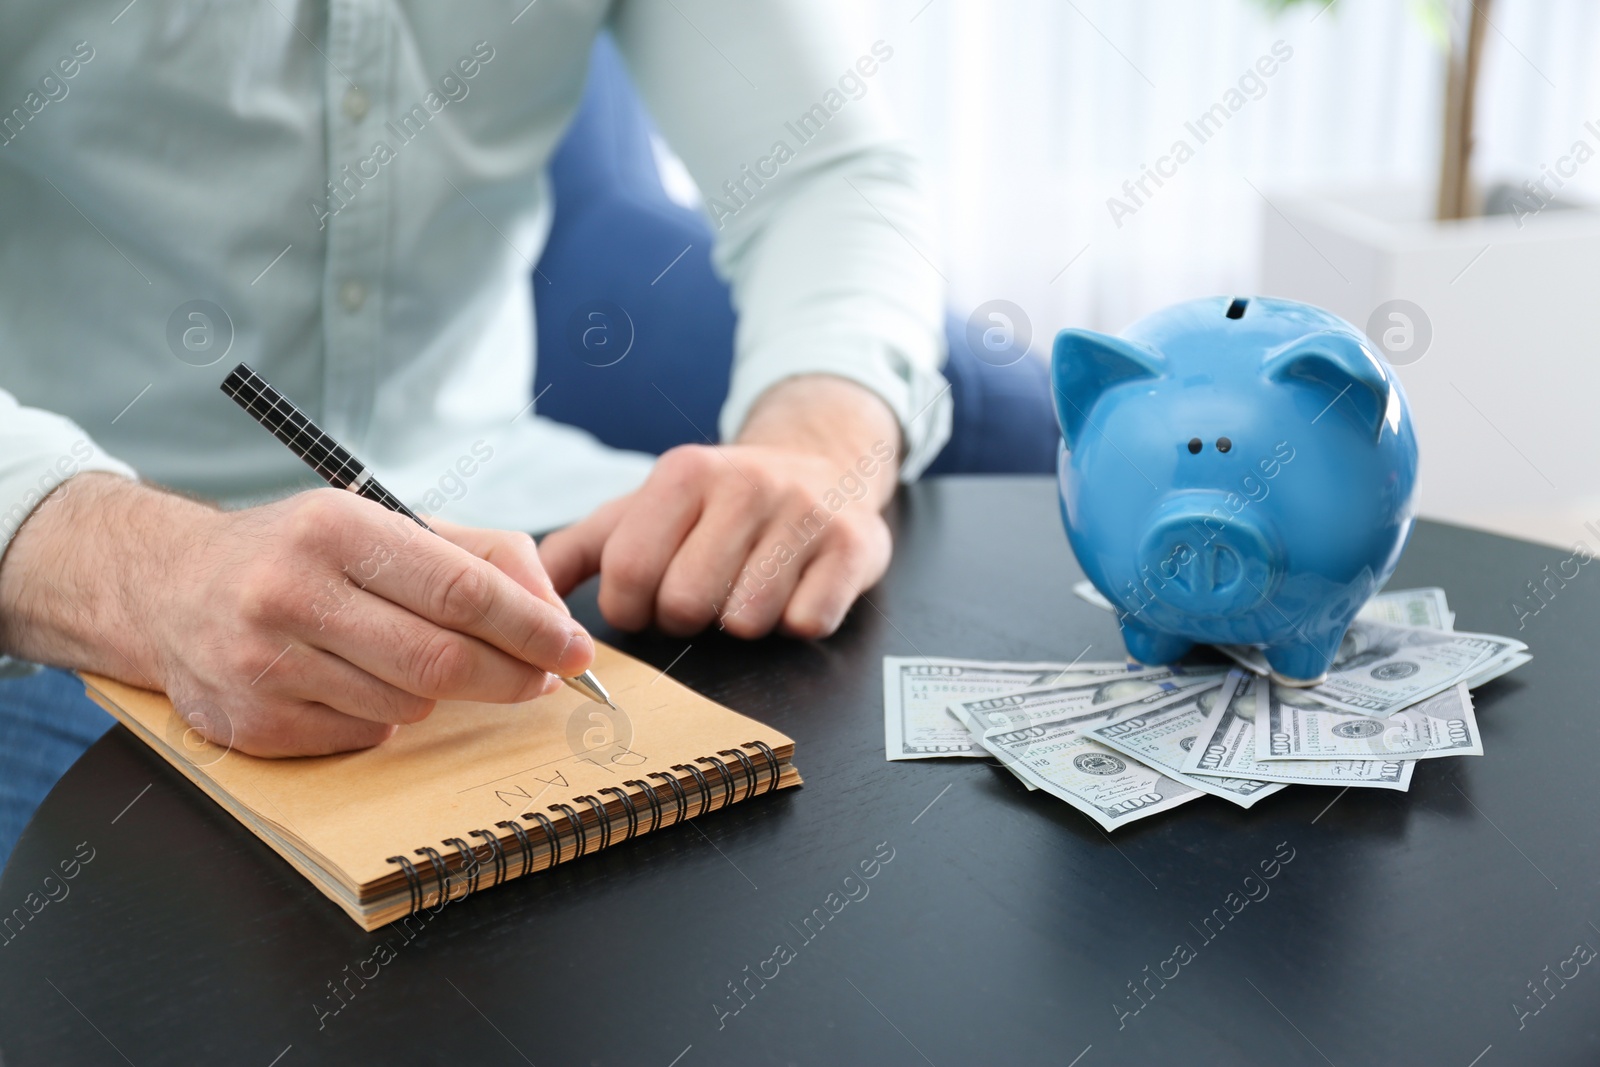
x,y
1201,560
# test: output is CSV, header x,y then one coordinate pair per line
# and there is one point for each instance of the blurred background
x,y
1322,185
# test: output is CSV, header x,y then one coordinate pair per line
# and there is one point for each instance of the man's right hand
x,y
312,625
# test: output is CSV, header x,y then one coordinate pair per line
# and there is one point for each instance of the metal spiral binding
x,y
413,883
576,822
627,809
655,803
700,780
772,761
469,872
550,834
496,853
522,839
677,793
471,865
601,817
727,776
749,769
441,872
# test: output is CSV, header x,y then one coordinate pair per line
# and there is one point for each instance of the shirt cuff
x,y
918,396
38,451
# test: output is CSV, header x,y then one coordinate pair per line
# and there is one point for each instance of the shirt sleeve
x,y
38,451
822,212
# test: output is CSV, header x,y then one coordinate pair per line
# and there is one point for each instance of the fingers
x,y
319,677
408,652
701,574
572,555
766,582
708,538
458,592
635,558
513,554
303,728
852,561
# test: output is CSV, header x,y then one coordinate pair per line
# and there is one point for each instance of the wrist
x,y
86,580
833,418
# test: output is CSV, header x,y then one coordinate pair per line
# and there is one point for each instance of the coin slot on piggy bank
x,y
1234,471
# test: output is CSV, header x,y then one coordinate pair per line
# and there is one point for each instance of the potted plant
x,y
1484,300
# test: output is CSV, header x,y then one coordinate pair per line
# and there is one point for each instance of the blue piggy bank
x,y
1234,472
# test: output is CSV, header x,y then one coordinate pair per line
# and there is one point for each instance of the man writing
x,y
270,160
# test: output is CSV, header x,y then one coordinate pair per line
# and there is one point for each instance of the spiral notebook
x,y
478,794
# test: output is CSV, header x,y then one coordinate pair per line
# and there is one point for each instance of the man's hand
x,y
316,624
781,529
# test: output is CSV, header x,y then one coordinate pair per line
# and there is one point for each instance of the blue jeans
x,y
46,722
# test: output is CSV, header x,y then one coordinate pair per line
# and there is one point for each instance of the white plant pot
x,y
1506,393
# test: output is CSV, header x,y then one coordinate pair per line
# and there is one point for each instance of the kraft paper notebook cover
x,y
477,794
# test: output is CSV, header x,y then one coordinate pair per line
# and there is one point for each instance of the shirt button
x,y
356,104
352,294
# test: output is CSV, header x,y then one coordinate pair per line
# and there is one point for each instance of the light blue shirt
x,y
360,186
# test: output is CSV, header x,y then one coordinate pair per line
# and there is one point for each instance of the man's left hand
x,y
781,529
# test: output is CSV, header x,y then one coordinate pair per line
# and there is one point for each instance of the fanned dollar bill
x,y
1162,738
1110,788
1230,751
1399,607
1410,607
1300,729
917,689
1086,592
1080,699
1503,665
1382,668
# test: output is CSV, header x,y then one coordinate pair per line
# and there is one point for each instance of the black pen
x,y
337,466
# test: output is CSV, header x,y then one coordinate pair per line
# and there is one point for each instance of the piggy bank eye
x,y
1195,446
1223,444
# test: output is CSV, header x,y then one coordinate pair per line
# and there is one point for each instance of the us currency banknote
x,y
1230,751
1495,669
1105,785
1081,699
1086,592
1162,738
1298,728
1381,668
1400,607
1410,607
916,691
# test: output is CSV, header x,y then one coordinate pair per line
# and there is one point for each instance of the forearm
x,y
831,417
82,579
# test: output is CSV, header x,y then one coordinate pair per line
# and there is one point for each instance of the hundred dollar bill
x,y
1110,788
1401,607
1086,592
1505,664
1162,738
1381,668
1297,728
1084,700
1410,607
1230,752
916,691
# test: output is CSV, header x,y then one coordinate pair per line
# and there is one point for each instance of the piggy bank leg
x,y
1150,647
1301,663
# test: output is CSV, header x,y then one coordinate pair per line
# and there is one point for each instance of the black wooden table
x,y
1449,925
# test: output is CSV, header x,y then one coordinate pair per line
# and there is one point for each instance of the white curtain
x,y
1034,112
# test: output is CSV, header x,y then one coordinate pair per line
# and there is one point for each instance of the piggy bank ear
x,y
1085,364
1342,368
